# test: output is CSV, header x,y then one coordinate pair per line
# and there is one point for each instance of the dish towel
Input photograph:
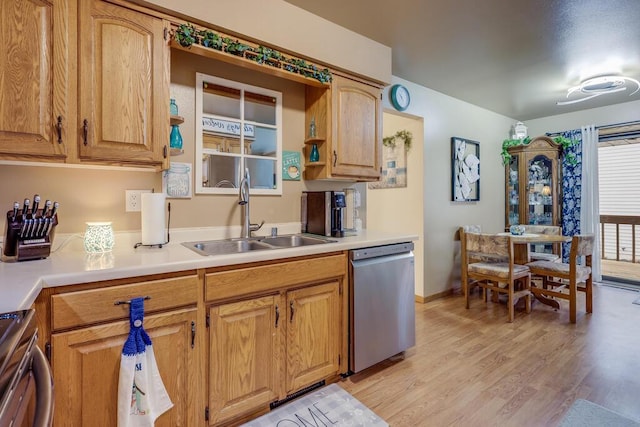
x,y
142,396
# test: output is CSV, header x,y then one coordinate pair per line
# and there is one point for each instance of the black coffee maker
x,y
323,212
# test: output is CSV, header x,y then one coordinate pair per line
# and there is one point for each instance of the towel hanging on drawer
x,y
142,396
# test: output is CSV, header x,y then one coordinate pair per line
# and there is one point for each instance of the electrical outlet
x,y
133,200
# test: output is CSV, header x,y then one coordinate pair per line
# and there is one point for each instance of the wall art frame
x,y
465,170
394,167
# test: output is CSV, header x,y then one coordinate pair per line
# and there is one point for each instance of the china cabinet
x,y
533,175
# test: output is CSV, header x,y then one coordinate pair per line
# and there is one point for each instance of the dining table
x,y
522,241
521,255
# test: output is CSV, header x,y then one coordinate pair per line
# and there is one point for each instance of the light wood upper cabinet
x,y
356,134
33,79
313,334
244,357
123,85
86,366
348,119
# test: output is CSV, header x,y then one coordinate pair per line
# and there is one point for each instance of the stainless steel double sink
x,y
240,245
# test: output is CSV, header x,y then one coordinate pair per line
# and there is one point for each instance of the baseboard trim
x,y
420,299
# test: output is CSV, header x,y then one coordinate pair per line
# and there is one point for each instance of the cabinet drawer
x,y
226,284
81,308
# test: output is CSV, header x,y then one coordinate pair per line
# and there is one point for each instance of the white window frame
x,y
200,151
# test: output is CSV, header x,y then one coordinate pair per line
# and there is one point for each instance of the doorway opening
x,y
619,194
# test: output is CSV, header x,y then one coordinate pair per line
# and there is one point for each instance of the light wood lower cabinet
x,y
85,328
244,357
86,366
267,347
228,340
313,334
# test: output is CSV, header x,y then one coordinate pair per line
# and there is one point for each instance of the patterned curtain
x,y
571,190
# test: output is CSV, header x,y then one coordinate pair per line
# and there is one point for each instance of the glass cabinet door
x,y
238,127
540,190
513,192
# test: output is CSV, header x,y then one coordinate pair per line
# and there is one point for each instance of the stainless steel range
x,y
25,375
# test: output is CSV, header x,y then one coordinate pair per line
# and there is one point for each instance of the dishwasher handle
x,y
380,251
44,389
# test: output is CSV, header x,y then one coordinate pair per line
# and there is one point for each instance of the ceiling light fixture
x,y
602,85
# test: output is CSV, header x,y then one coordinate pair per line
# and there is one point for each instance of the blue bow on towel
x,y
138,339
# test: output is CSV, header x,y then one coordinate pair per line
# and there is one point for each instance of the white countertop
x,y
21,282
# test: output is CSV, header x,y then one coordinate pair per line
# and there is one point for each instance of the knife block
x,y
29,239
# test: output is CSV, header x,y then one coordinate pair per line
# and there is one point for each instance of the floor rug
x,y
327,406
587,414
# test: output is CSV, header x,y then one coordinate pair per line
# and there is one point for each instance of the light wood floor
x,y
472,368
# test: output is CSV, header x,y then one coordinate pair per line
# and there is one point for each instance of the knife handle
x,y
25,208
34,208
47,206
54,210
16,207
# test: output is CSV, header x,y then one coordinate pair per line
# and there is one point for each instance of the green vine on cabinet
x,y
402,135
187,35
565,143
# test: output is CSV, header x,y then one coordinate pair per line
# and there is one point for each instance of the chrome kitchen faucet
x,y
247,227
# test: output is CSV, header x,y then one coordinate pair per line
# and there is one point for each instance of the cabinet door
x,y
357,120
542,198
244,365
123,85
513,191
33,66
313,334
86,366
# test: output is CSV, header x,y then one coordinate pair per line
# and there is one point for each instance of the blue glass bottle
x,y
173,107
175,139
314,156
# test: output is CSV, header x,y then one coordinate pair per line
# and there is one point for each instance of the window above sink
x,y
238,126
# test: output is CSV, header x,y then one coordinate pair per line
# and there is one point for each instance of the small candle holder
x,y
98,237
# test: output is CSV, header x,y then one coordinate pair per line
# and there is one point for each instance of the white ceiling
x,y
514,57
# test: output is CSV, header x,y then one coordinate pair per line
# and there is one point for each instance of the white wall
x,y
619,113
445,117
288,27
402,209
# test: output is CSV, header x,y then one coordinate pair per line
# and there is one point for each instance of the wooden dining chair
x,y
561,280
489,275
545,229
462,231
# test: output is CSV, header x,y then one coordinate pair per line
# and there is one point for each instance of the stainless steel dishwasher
x,y
382,311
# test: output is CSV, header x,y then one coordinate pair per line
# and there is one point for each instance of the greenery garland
x,y
565,143
187,34
403,135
